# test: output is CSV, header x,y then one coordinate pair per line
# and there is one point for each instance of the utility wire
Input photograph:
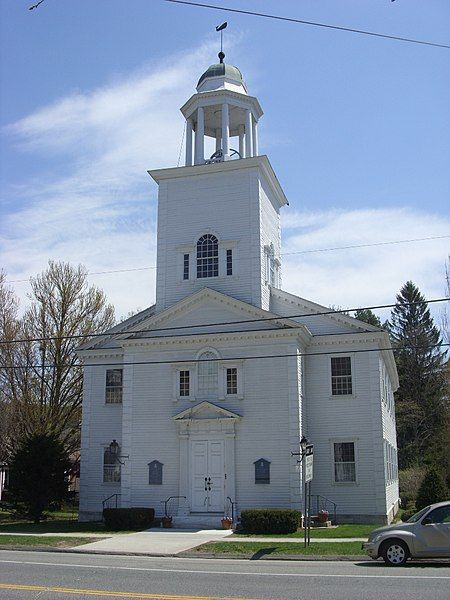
x,y
435,237
218,324
303,22
232,359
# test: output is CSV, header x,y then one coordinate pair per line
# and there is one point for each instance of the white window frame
x,y
352,371
114,368
344,440
239,366
188,366
105,447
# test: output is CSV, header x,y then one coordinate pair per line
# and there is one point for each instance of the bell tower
x,y
221,109
219,216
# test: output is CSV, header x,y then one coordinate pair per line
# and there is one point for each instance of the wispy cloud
x,y
95,204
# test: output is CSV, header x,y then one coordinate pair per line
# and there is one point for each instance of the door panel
x,y
207,460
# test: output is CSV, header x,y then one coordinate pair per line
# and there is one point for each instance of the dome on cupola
x,y
221,76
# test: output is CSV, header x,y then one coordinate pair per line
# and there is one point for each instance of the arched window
x,y
208,375
207,256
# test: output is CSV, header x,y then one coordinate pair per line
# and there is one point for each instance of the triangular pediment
x,y
205,411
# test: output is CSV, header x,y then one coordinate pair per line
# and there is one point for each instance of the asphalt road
x,y
45,575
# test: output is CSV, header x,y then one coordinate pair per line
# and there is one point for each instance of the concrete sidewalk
x,y
157,542
299,540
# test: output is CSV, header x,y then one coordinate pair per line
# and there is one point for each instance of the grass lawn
x,y
278,548
341,531
54,542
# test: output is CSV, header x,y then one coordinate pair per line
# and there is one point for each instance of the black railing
x,y
322,503
232,507
111,502
166,502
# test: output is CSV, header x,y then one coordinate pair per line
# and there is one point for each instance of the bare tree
x,y
42,379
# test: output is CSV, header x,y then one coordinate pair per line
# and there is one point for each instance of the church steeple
x,y
221,109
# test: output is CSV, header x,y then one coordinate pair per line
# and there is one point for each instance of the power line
x,y
314,23
435,237
229,359
218,324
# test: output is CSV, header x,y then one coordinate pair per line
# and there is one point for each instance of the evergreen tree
x,y
367,316
38,473
431,490
422,408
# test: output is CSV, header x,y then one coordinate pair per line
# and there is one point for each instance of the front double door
x,y
207,475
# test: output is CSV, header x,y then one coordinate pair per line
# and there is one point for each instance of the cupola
x,y
221,109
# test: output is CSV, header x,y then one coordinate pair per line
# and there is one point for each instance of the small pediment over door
x,y
206,411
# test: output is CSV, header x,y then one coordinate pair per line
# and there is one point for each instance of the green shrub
x,y
270,520
407,514
409,482
431,490
128,518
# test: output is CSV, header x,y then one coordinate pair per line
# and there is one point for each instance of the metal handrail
x,y
321,504
166,502
232,507
116,496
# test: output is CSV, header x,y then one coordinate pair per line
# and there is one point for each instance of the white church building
x,y
204,396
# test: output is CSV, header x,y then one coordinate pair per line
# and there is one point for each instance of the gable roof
x,y
209,410
317,323
148,322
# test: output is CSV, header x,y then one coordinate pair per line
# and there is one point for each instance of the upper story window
x,y
114,387
185,383
229,262
207,256
341,376
232,383
208,375
185,266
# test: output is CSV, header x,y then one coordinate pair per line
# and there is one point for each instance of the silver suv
x,y
425,535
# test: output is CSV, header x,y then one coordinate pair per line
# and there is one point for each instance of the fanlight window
x,y
207,256
208,376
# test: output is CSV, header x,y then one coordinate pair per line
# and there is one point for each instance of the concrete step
x,y
198,521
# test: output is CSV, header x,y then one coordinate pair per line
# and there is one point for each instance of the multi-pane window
x,y
344,462
185,380
262,471
341,376
229,262
208,375
111,466
232,387
113,391
207,256
186,266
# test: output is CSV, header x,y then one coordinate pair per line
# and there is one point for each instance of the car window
x,y
418,515
440,515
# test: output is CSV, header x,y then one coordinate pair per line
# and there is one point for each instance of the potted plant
x,y
227,522
322,516
166,522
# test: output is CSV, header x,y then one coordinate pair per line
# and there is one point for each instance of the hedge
x,y
128,518
270,520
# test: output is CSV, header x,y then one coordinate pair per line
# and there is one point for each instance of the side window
x,y
229,262
341,376
232,383
111,466
344,462
114,386
185,383
207,256
185,266
262,470
155,472
440,515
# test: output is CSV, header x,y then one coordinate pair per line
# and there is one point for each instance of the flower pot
x,y
166,522
322,516
227,523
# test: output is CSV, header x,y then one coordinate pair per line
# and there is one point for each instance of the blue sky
x,y
356,129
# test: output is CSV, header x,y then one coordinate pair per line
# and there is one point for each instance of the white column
x,y
218,139
241,141
248,133
255,136
200,137
189,142
225,130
